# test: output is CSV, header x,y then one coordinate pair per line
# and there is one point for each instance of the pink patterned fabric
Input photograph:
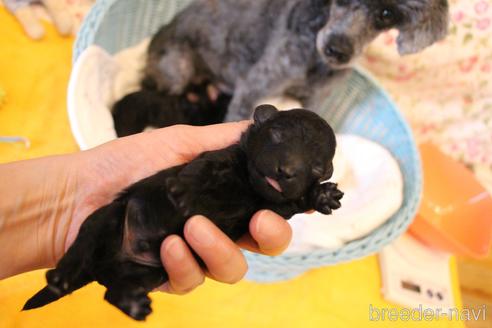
x,y
446,91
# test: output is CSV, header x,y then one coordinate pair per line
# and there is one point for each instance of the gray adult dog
x,y
260,48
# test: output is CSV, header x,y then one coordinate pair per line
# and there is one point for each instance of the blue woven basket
x,y
358,107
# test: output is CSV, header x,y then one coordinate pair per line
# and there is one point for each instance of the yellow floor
x,y
35,75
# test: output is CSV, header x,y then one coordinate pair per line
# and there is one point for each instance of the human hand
x,y
108,169
23,11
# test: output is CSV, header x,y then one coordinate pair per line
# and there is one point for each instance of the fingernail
x,y
197,228
175,249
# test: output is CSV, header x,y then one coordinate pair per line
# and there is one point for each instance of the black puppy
x,y
151,108
278,164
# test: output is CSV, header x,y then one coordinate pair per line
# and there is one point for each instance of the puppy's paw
x,y
134,302
327,198
178,196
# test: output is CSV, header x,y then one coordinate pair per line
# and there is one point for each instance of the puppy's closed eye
x,y
276,135
317,172
318,169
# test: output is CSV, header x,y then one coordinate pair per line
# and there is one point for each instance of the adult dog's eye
x,y
386,18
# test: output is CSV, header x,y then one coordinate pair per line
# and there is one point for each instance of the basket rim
x,y
92,20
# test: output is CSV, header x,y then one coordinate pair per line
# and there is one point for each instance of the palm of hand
x,y
110,168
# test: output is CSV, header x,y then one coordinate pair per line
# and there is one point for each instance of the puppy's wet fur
x,y
299,48
279,164
151,108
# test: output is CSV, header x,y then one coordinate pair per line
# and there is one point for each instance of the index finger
x,y
190,141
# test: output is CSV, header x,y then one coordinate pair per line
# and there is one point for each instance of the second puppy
x,y
201,104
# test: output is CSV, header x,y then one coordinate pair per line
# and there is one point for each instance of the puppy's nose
x,y
291,168
286,172
340,48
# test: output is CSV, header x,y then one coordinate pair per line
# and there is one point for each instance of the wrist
x,y
36,211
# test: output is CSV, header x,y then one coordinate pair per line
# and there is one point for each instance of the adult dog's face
x,y
288,152
353,24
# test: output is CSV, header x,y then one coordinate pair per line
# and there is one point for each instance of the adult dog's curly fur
x,y
278,164
260,48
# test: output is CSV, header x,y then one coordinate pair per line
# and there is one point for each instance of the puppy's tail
x,y
43,297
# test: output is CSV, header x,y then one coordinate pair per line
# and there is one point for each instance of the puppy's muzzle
x,y
291,178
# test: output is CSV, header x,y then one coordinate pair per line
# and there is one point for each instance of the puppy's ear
x,y
427,26
264,112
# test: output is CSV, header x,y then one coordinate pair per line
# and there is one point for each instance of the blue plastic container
x,y
358,107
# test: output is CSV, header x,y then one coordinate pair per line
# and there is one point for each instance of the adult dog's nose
x,y
340,48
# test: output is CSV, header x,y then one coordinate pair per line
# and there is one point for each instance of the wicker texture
x,y
362,108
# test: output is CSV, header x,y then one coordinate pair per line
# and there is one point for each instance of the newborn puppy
x,y
201,104
279,164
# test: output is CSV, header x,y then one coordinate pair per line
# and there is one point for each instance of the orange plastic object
x,y
456,211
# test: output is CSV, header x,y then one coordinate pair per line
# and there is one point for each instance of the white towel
x,y
96,82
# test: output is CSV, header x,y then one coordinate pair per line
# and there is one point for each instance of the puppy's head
x,y
288,152
353,24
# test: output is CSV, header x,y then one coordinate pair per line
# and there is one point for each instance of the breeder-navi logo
x,y
426,314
